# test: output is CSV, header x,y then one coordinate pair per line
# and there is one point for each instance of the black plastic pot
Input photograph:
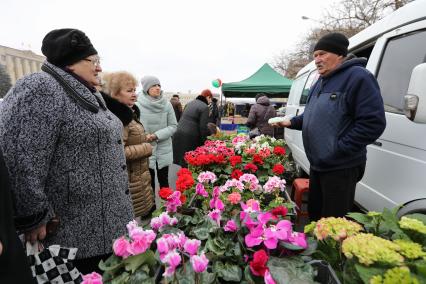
x,y
325,273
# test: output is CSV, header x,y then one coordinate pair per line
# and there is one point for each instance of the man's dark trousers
x,y
332,193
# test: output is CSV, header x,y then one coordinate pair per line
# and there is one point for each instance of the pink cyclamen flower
x,y
199,263
140,245
173,202
230,226
170,270
173,258
298,239
207,177
121,247
215,215
268,278
200,190
162,246
191,246
92,278
234,198
274,233
255,237
132,225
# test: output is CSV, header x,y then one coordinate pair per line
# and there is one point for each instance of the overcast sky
x,y
185,43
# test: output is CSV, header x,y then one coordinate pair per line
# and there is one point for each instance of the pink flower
x,y
255,237
230,226
264,217
199,263
233,183
162,246
132,225
251,180
281,231
173,202
167,220
200,190
234,198
215,215
252,205
169,271
207,177
156,223
142,242
268,278
274,183
191,246
121,247
173,259
219,205
92,278
298,239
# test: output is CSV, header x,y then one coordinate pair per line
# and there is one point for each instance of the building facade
x,y
20,62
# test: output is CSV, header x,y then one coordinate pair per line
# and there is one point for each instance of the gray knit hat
x,y
149,81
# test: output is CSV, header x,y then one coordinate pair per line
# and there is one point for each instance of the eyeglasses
x,y
96,62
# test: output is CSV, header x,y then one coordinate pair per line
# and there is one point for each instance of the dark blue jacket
x,y
344,113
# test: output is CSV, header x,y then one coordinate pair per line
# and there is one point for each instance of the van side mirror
x,y
415,100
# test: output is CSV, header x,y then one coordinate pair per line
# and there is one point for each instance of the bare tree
x,y
347,16
5,84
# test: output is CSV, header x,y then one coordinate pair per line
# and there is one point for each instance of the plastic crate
x,y
228,127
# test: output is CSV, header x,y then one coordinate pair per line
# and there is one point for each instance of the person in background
x,y
177,106
159,120
122,89
259,115
14,267
213,112
192,129
64,152
343,114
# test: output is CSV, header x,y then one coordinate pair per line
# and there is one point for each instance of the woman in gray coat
x,y
64,152
259,115
192,129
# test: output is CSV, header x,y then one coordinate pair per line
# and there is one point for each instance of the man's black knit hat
x,y
65,47
336,43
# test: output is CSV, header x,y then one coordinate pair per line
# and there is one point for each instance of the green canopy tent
x,y
265,80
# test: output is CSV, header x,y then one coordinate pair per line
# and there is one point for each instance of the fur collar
x,y
123,112
203,99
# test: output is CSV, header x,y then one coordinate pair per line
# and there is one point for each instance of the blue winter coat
x,y
344,114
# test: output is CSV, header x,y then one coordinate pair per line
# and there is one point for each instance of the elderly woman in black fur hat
x,y
64,152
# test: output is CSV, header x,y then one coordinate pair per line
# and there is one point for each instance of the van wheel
x,y
418,206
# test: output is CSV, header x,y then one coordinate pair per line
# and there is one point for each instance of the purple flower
x,y
199,263
191,246
200,190
230,226
173,202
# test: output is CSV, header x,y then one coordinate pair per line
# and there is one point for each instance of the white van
x,y
396,163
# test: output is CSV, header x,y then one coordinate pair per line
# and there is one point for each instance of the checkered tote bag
x,y
53,264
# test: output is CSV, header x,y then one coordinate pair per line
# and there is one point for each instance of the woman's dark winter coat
x,y
65,155
14,267
137,151
192,129
259,115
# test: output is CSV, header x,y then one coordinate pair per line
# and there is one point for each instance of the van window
x,y
401,55
313,77
296,88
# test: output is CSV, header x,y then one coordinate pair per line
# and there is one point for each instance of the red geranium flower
x,y
165,192
278,150
236,174
184,182
235,160
279,211
182,198
250,167
257,159
258,264
183,171
278,169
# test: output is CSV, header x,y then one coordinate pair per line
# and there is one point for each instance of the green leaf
x,y
132,263
290,246
417,216
112,264
290,270
248,276
141,276
366,273
312,246
360,218
208,278
230,272
122,279
202,231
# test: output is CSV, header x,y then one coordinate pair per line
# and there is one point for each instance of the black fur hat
x,y
65,47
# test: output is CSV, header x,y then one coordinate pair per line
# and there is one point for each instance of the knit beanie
x,y
206,93
65,47
149,81
336,43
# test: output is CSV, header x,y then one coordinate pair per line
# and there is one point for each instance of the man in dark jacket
x,y
344,113
177,106
259,115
